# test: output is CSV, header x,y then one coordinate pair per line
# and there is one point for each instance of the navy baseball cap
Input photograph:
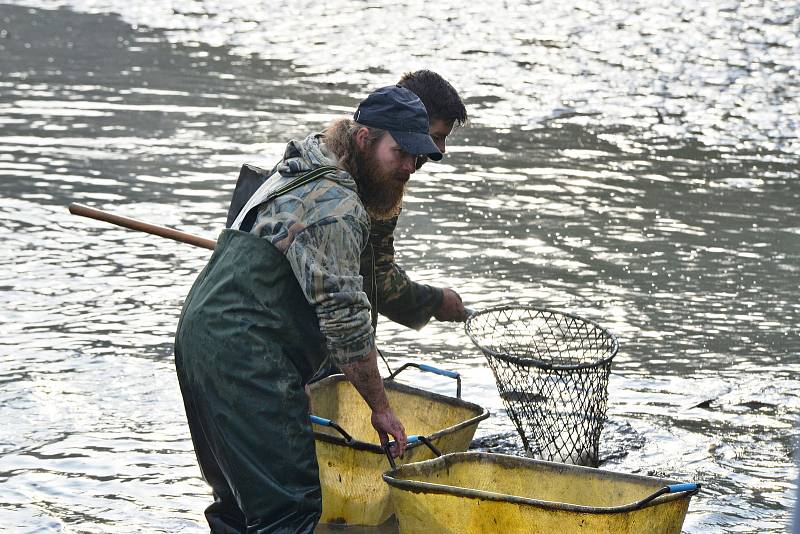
x,y
401,113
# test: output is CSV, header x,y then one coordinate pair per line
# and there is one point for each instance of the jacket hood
x,y
305,155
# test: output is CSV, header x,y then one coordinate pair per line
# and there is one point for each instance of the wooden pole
x,y
141,226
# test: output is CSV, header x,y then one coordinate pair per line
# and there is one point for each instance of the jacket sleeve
x,y
325,258
398,297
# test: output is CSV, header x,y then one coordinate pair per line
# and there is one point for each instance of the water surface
x,y
637,166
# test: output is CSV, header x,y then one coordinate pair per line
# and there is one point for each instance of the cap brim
x,y
418,144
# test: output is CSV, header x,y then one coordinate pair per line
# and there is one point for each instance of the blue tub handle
x,y
320,420
327,422
435,370
410,440
677,488
430,369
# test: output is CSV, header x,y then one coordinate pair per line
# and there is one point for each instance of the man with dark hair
x,y
394,295
280,294
390,290
444,106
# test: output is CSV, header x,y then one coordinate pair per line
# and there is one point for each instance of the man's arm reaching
x,y
399,298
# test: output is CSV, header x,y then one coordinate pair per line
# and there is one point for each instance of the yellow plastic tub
x,y
350,469
475,492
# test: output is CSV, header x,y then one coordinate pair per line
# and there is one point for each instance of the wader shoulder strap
x,y
247,217
310,176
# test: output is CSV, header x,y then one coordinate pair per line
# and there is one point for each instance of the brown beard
x,y
381,191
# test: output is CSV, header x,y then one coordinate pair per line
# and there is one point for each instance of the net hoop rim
x,y
533,361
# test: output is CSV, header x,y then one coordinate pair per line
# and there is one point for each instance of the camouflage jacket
x,y
331,221
390,290
322,228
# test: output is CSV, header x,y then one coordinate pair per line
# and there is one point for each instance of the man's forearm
x,y
367,380
398,297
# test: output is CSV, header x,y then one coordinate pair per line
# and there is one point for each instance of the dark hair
x,y
441,100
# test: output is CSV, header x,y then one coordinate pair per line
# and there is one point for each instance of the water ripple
x,y
636,165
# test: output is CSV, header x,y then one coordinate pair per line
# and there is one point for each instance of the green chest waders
x,y
247,341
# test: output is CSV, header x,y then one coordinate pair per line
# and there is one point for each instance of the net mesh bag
x,y
552,371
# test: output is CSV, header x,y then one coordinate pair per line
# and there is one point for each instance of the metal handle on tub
x,y
431,369
692,488
409,441
327,422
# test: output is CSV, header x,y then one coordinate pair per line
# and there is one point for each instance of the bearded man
x,y
281,293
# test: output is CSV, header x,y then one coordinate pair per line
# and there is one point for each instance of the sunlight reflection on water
x,y
636,166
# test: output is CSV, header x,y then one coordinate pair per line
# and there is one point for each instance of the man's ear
x,y
362,137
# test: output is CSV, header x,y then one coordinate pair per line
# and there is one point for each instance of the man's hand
x,y
387,424
451,308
